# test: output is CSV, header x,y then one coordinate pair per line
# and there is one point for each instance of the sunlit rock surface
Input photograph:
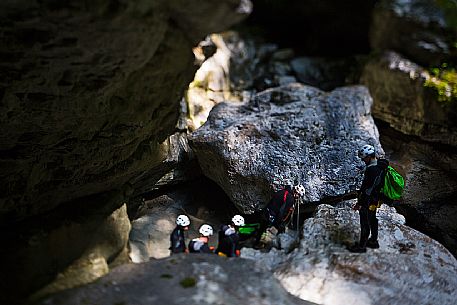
x,y
183,279
89,90
150,234
155,219
402,100
239,67
293,132
408,268
416,28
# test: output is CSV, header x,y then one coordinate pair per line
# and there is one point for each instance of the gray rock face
x,y
183,279
89,90
293,132
409,267
402,100
429,201
415,28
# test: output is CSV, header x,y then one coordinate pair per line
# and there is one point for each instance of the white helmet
x,y
206,230
367,150
183,221
300,190
238,220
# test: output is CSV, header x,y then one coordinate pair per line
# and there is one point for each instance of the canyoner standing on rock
x,y
369,198
279,211
200,244
229,239
177,239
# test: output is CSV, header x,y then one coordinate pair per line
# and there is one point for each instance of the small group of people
x,y
228,244
279,211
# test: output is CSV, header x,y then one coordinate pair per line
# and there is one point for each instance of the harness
x,y
273,217
291,209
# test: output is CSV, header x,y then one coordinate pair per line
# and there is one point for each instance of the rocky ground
x,y
408,268
183,279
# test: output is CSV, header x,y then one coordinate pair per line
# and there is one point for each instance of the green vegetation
x,y
188,282
444,81
166,276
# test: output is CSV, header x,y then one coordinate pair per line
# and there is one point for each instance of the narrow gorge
x,y
117,116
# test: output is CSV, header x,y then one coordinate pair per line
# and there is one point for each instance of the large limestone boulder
x,y
89,91
402,99
183,279
408,268
289,133
416,28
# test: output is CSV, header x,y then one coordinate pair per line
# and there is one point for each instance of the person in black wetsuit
x,y
279,210
229,239
200,244
369,199
177,239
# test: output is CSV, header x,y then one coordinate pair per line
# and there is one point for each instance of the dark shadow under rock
x,y
429,201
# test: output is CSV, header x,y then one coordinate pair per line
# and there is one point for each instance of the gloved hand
x,y
264,238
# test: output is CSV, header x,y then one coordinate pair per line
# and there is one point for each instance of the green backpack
x,y
393,184
249,228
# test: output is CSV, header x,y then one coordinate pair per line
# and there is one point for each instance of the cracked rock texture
x,y
88,90
183,279
408,268
292,132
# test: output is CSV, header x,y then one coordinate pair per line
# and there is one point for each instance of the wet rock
x,y
402,100
415,28
408,266
293,132
189,279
